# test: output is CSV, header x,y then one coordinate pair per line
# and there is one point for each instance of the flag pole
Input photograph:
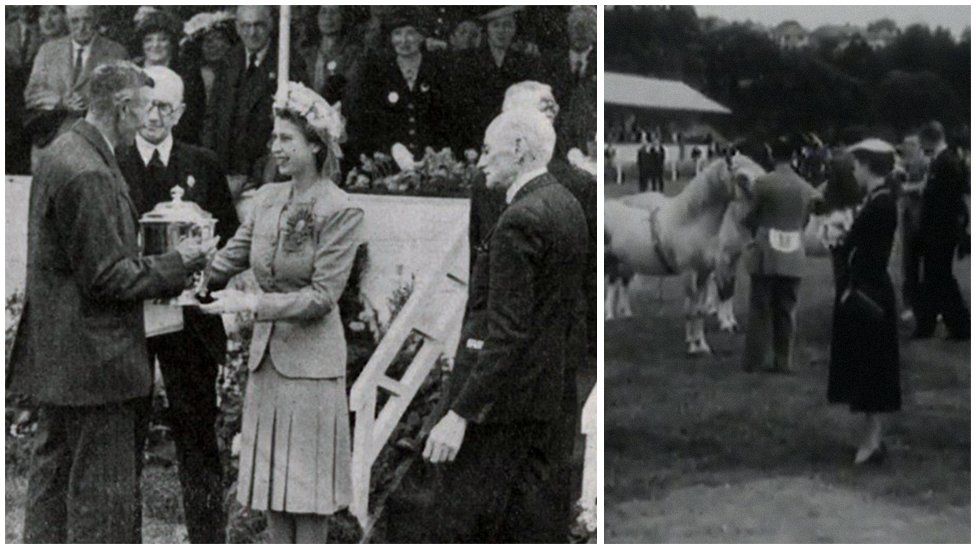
x,y
284,44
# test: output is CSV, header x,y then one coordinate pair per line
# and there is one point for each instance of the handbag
x,y
862,305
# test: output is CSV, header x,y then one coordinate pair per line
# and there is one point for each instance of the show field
x,y
697,451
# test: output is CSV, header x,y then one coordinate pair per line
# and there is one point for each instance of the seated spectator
x,y
208,38
401,97
157,37
334,59
58,88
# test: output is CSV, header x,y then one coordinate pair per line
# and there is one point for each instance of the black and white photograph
x,y
304,274
786,274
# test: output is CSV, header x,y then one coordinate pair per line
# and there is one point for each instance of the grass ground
x,y
698,451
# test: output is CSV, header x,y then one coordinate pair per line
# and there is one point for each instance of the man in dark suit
x,y
22,42
58,87
501,443
239,117
781,205
188,360
942,224
657,166
573,77
644,164
80,350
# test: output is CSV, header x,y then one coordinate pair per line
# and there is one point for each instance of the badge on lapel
x,y
331,66
190,182
393,97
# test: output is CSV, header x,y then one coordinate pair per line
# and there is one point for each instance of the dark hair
x,y
878,163
310,134
932,133
781,149
160,21
108,79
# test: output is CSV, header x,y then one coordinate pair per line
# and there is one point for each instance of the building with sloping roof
x,y
654,105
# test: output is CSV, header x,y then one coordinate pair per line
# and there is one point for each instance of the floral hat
x,y
325,120
200,24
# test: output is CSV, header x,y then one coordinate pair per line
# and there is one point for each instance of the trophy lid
x,y
178,211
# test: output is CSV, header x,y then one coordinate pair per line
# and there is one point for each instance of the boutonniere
x,y
393,97
331,66
424,87
299,227
190,181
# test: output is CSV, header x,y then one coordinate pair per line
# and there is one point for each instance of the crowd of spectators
x,y
420,76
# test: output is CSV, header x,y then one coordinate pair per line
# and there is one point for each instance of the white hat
x,y
874,145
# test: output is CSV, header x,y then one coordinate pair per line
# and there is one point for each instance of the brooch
x,y
190,182
299,227
424,87
331,66
272,75
393,97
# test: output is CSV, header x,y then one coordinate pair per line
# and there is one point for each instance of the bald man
x,y
152,166
239,119
495,458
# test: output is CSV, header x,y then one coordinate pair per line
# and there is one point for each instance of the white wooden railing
x,y
434,310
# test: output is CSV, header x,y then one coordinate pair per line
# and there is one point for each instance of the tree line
x,y
834,85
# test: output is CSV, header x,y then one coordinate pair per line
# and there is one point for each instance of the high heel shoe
x,y
875,456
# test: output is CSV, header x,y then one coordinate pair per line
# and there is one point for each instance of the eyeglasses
x,y
165,109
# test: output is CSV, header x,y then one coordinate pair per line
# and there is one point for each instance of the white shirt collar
x,y
146,149
522,181
581,55
75,46
259,55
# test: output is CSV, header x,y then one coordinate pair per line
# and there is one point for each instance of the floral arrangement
x,y
201,23
438,173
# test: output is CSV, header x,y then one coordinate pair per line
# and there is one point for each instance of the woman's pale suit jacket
x,y
302,262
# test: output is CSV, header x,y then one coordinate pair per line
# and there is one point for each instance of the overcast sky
x,y
955,18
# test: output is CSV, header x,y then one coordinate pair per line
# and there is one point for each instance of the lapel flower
x,y
424,87
299,227
393,97
331,66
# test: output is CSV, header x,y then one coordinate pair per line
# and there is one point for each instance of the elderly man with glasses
x,y
153,165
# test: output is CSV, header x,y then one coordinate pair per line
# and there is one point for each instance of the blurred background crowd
x,y
421,76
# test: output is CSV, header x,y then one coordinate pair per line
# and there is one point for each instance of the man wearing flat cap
x,y
80,350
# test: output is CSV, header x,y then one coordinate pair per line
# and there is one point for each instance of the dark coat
x,y
209,190
943,208
81,339
480,89
239,119
190,128
650,161
864,363
386,111
576,125
536,267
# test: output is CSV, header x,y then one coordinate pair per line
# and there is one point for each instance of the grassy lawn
x,y
698,451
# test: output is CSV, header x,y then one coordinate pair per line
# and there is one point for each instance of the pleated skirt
x,y
296,454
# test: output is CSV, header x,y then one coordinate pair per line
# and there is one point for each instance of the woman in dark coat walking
x,y
864,369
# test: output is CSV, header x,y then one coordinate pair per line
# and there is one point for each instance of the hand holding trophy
x,y
185,227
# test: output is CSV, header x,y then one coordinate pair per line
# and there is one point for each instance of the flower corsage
x,y
300,227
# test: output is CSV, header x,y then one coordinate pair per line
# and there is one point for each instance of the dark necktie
x,y
156,169
252,64
79,60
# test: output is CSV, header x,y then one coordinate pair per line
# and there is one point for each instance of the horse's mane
x,y
707,188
